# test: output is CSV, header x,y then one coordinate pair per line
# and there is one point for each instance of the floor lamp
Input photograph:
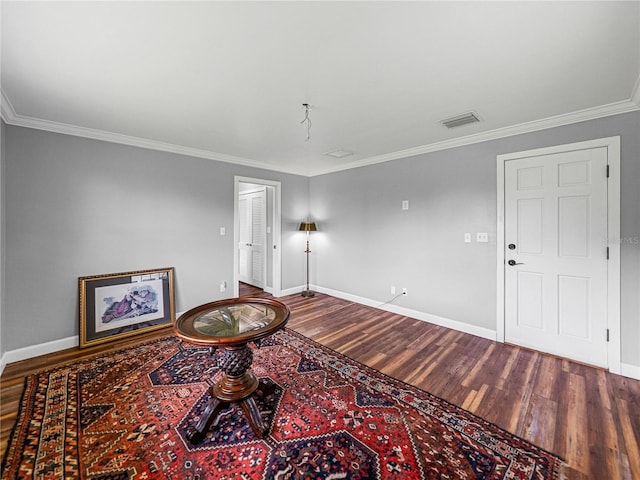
x,y
307,227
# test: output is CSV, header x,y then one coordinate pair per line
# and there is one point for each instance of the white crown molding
x,y
11,117
633,104
6,109
536,125
635,94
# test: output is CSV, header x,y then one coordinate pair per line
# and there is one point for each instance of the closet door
x,y
253,235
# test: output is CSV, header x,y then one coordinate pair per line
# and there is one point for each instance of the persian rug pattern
x,y
126,416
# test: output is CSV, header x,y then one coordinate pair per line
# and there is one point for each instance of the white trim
x,y
407,312
631,371
633,104
253,190
277,232
293,290
534,126
627,370
39,349
11,117
614,265
613,213
6,108
635,94
500,249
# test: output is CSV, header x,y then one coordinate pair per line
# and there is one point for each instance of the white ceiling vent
x,y
339,153
459,120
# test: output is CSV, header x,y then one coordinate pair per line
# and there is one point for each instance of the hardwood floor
x,y
586,415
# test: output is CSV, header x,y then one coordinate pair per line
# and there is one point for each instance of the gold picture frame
x,y
119,305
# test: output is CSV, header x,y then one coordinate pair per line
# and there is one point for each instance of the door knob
x,y
513,262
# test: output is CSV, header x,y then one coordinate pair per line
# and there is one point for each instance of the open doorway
x,y
256,234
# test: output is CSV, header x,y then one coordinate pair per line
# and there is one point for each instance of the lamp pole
x,y
307,292
307,227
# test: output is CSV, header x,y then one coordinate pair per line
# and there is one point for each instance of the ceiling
x,y
227,80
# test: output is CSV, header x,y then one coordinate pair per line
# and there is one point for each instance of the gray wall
x,y
367,243
77,207
2,230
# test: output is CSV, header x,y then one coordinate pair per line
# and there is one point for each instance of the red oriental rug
x,y
126,415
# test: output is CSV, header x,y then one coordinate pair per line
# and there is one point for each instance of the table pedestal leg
x,y
253,415
236,385
214,406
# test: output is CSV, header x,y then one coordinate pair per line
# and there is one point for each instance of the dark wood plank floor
x,y
586,415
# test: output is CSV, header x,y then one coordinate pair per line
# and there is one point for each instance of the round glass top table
x,y
232,324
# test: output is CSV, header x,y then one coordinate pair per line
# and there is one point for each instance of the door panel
x,y
556,289
530,300
573,226
530,226
573,306
258,230
252,238
244,249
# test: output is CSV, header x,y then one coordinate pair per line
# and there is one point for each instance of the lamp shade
x,y
307,227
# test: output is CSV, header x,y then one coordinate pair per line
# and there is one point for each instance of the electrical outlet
x,y
467,238
393,289
482,237
404,291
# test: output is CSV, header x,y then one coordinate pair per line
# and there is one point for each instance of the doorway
x,y
558,262
257,234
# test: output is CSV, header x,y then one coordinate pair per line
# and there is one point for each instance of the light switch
x,y
223,231
467,238
482,237
405,204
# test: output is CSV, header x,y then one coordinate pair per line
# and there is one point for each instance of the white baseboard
x,y
3,363
626,369
292,291
631,371
407,312
40,349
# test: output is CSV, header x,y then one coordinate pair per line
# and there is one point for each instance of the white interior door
x,y
252,212
555,228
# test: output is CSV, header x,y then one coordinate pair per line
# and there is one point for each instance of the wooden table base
x,y
236,386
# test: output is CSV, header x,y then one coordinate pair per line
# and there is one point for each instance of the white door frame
x,y
613,238
277,233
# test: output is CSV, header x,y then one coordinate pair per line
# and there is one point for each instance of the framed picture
x,y
119,305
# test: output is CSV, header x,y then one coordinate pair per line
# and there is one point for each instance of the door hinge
x,y
607,171
607,334
607,253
